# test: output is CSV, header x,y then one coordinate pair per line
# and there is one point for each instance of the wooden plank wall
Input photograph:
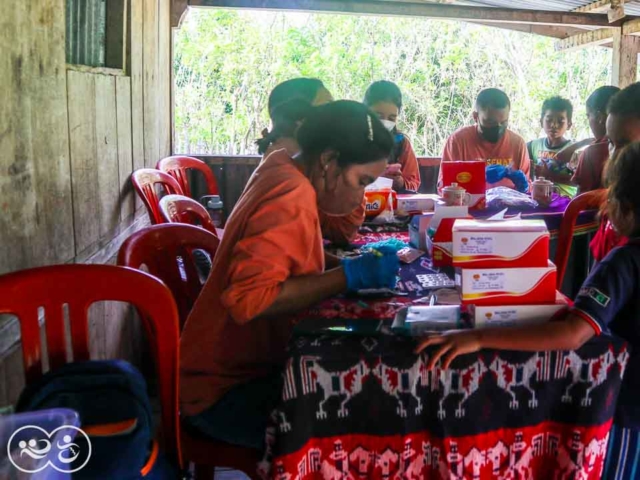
x,y
69,139
232,174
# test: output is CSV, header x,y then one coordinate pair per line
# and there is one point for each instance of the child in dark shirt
x,y
608,303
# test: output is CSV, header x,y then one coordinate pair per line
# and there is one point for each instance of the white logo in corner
x,y
32,449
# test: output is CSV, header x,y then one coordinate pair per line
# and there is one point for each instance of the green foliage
x,y
227,62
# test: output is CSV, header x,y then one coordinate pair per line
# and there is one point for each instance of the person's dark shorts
x,y
241,416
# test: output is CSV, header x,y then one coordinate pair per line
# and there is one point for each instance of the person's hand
x,y
398,182
519,179
495,173
542,170
373,269
451,345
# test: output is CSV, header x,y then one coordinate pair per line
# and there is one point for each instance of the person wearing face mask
x,y
290,103
385,99
489,139
623,128
270,265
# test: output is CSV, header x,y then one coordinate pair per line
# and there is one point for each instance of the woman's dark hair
x,y
285,118
289,103
599,99
626,103
383,91
305,89
624,195
350,129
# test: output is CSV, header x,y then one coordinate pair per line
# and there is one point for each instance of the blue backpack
x,y
115,412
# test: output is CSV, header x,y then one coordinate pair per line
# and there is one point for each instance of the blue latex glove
x,y
519,179
495,173
372,269
393,243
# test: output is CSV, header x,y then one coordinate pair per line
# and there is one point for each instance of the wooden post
x,y
624,71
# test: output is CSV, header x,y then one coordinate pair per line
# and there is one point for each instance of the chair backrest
x,y
145,180
167,252
78,286
587,201
181,209
177,167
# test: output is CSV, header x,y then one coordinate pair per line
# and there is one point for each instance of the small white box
x,y
417,202
511,315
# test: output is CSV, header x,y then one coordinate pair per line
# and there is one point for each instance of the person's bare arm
x,y
298,293
331,261
564,155
568,334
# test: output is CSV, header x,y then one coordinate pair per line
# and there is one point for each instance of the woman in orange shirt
x,y
385,99
290,103
288,106
271,264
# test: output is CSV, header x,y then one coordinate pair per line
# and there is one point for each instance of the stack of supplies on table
x,y
503,272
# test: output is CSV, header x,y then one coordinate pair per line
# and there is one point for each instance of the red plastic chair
x,y
181,209
166,251
145,181
177,167
158,247
79,286
587,201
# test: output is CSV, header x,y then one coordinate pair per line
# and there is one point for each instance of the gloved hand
x,y
495,173
372,269
519,179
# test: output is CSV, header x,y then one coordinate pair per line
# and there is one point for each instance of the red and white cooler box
x,y
507,286
511,315
503,271
505,243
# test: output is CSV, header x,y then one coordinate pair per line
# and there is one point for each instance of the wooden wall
x,y
69,139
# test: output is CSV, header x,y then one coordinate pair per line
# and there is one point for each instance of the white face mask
x,y
388,124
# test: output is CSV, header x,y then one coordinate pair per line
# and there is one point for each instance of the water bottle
x,y
215,209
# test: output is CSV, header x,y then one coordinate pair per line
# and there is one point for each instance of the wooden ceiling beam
x,y
631,28
594,37
551,31
613,8
427,10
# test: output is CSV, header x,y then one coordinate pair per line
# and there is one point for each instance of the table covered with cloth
x,y
368,407
552,215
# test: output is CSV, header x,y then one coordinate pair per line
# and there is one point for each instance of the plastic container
x,y
215,208
38,436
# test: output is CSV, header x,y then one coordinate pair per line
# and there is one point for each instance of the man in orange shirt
x,y
489,139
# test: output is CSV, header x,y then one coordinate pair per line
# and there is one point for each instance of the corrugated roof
x,y
631,8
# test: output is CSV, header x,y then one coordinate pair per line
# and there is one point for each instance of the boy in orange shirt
x,y
489,139
271,265
385,99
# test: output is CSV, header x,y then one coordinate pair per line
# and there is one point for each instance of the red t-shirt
x,y
605,240
466,145
591,163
